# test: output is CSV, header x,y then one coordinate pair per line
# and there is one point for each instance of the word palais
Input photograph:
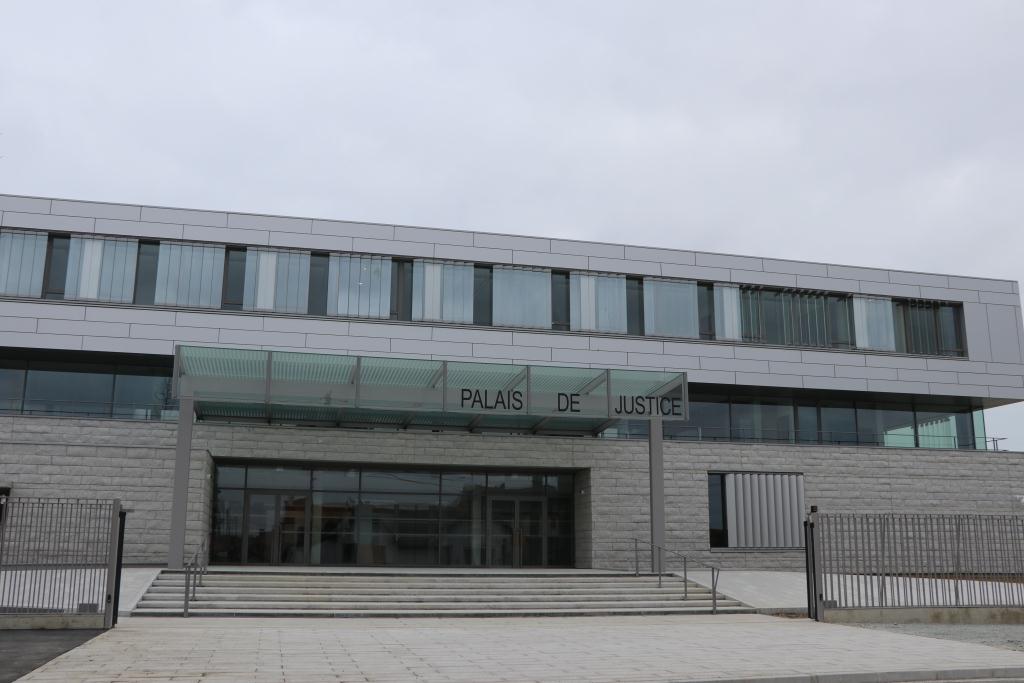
x,y
296,391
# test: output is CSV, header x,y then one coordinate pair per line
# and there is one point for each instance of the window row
x,y
43,387
809,417
124,270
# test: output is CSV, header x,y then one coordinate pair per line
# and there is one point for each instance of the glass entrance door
x,y
277,526
516,532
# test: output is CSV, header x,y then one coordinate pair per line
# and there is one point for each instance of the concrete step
x,y
343,605
439,592
221,581
412,599
414,613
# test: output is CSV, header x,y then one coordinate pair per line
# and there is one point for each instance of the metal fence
x,y
60,557
913,560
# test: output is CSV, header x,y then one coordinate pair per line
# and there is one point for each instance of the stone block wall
x,y
134,461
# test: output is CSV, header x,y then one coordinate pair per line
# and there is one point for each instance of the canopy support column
x,y
179,497
656,457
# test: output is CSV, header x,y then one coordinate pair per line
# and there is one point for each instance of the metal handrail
x,y
660,564
195,570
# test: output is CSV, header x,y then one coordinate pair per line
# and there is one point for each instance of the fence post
x,y
817,571
714,589
115,529
809,570
956,564
120,563
184,611
686,581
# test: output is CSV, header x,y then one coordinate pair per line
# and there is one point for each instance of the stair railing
x,y
195,570
658,560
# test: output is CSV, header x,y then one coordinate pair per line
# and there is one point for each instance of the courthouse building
x,y
296,391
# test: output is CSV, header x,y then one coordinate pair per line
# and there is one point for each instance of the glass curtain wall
x,y
41,387
375,516
806,418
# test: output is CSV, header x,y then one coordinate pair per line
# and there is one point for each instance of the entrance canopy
x,y
365,391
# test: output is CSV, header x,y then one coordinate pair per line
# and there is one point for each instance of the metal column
x,y
656,458
179,500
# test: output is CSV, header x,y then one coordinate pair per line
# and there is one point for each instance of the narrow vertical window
x,y
318,273
56,267
234,278
873,323
597,302
717,522
560,300
190,275
951,331
728,323
401,290
101,269
521,297
442,291
482,295
706,310
359,286
145,273
635,305
22,262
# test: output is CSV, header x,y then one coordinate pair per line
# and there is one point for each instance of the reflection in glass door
x,y
516,532
277,528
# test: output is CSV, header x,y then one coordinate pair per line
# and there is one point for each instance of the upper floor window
x,y
319,270
189,275
401,289
276,280
22,262
928,327
442,291
56,271
522,297
101,269
670,308
597,302
873,322
483,293
145,273
560,300
794,318
360,286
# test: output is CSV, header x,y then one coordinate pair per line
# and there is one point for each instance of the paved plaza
x,y
688,648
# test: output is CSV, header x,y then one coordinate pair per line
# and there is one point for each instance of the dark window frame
x,y
56,292
229,283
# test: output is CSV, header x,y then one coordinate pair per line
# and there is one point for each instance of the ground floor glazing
x,y
358,515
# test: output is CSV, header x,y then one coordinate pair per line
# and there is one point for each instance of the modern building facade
x,y
277,390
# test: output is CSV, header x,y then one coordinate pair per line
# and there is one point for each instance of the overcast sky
x,y
871,133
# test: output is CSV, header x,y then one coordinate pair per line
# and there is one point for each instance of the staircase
x,y
449,594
